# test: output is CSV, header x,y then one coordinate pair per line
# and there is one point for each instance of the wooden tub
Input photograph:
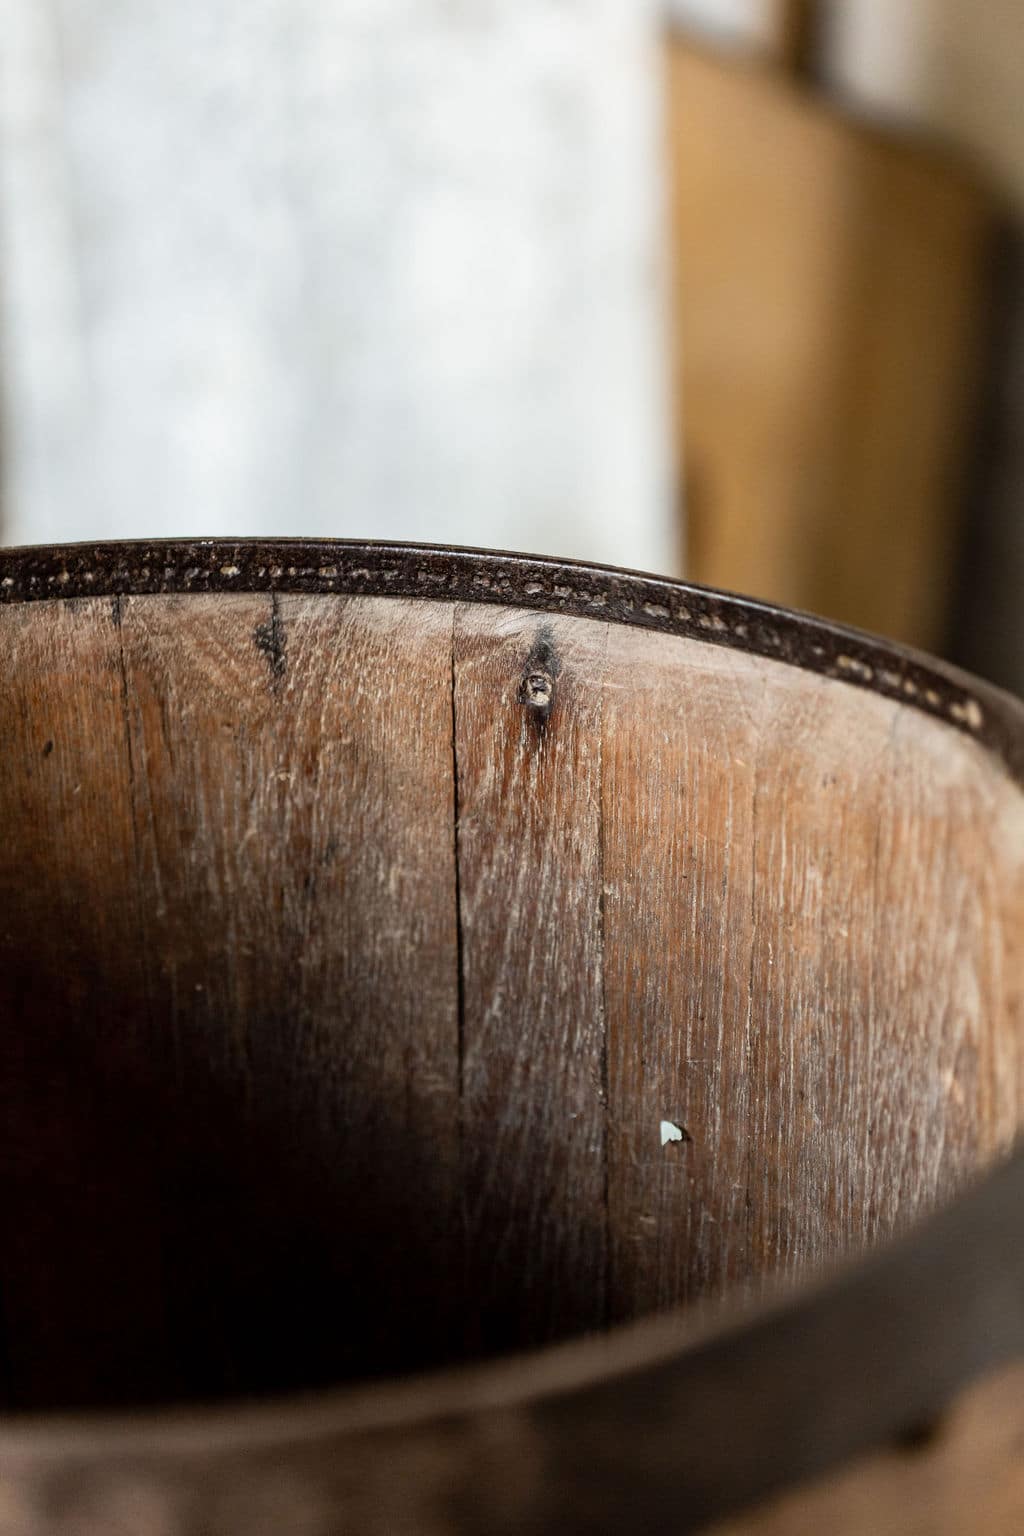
x,y
496,1046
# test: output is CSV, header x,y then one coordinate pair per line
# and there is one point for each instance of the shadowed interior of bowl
x,y
389,982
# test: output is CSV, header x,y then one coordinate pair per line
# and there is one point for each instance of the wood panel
x,y
828,293
812,913
223,864
680,757
294,805
881,1008
81,1269
528,744
376,1052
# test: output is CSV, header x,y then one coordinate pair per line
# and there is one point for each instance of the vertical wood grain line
x,y
460,981
117,615
605,1095
748,1042
528,704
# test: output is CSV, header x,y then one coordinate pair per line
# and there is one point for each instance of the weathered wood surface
x,y
527,736
795,913
219,857
292,784
74,1031
354,950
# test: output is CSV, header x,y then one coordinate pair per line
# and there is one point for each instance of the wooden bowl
x,y
483,1043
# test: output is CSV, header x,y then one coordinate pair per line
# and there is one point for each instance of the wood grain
x,y
293,793
807,950
678,812
79,1262
239,863
528,747
354,950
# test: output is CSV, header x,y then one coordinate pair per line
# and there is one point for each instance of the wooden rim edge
x,y
827,1373
349,567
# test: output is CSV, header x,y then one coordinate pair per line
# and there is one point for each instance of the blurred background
x,y
725,288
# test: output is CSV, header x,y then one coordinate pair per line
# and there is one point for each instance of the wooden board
x,y
74,1042
219,821
679,812
828,301
528,696
794,914
693,888
293,784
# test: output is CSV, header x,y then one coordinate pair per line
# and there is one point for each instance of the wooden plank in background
x,y
829,283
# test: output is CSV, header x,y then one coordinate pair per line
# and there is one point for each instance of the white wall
x,y
747,23
353,267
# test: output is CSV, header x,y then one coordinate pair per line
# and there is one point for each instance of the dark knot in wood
x,y
537,690
542,666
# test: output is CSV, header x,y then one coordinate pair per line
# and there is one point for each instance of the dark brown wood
x,y
391,982
805,969
657,1426
75,1152
679,833
526,581
303,752
528,752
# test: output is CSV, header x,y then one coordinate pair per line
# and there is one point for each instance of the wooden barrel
x,y
498,1046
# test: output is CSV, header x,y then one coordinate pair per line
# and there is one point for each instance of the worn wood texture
x,y
357,952
302,752
79,1260
237,848
808,946
527,711
658,1427
678,813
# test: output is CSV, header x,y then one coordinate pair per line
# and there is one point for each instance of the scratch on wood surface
x,y
460,980
269,639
